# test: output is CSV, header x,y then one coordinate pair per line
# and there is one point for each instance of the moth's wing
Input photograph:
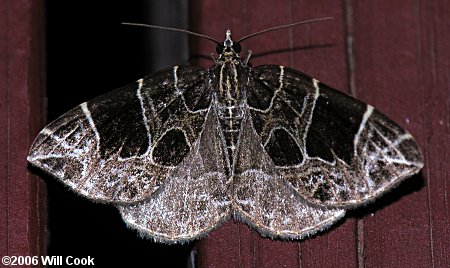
x,y
120,147
194,200
266,201
333,149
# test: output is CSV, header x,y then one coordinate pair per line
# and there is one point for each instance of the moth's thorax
x,y
229,88
228,72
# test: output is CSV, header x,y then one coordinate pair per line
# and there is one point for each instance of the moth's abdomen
x,y
228,83
230,118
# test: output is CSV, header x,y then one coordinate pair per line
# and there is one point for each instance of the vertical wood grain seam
x,y
291,62
37,45
433,70
348,20
246,25
360,243
8,127
290,35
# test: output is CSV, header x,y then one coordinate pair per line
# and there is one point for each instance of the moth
x,y
185,149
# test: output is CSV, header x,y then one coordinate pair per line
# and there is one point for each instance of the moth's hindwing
x,y
194,200
120,147
334,150
264,200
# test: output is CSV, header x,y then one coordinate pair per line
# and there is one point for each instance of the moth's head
x,y
228,49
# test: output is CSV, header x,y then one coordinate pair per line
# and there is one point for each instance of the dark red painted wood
x,y
435,123
392,54
407,76
22,196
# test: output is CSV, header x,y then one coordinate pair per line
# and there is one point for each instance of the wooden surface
x,y
394,55
22,195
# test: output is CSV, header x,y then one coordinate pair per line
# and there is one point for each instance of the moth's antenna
x,y
282,26
172,29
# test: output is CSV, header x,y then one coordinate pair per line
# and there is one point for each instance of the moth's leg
x,y
213,56
247,58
